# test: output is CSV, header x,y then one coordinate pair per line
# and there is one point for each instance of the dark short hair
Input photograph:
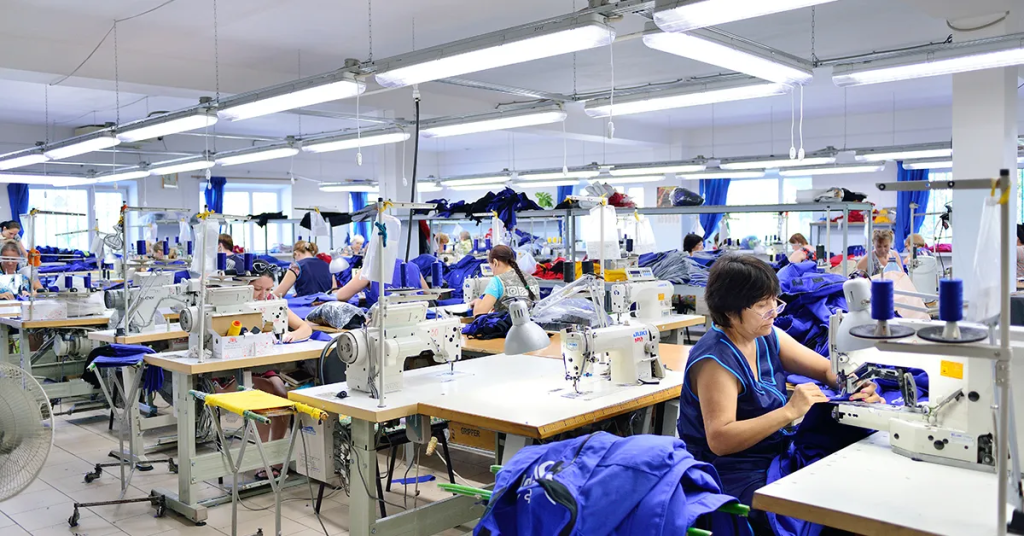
x,y
690,241
11,225
737,282
226,241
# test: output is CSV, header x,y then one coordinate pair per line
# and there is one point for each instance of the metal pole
x,y
202,291
846,240
828,233
600,255
124,267
869,229
381,303
1003,376
913,247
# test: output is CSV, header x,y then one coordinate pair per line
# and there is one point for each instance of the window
x,y
636,193
798,222
51,230
246,199
753,192
108,209
931,229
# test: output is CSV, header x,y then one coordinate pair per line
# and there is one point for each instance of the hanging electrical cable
x,y
611,100
415,162
800,155
792,125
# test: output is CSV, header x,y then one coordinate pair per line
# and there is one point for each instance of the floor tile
x,y
24,502
43,517
63,471
5,521
192,530
89,524
147,524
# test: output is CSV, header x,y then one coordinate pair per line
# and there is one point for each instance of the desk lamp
x,y
525,335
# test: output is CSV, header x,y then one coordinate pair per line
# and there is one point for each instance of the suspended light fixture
x,y
428,187
354,141
46,180
493,121
774,162
81,145
662,168
122,176
340,84
632,180
165,125
476,180
935,60
545,184
716,174
907,152
181,165
708,47
929,164
695,94
498,49
22,158
586,172
686,15
349,187
831,170
256,154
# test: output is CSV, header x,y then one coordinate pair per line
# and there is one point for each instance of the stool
x,y
256,407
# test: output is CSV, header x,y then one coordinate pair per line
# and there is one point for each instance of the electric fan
x,y
26,430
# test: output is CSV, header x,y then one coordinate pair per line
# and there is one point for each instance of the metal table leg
x,y
362,513
183,501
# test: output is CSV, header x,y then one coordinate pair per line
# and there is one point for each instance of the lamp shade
x,y
525,335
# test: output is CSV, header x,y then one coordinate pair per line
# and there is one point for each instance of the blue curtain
x,y
215,194
714,192
18,194
358,202
904,227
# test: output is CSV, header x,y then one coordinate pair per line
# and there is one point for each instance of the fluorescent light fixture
x,y
170,167
831,170
545,184
733,54
936,60
428,187
910,152
475,181
929,164
686,15
122,176
633,180
22,159
47,180
717,174
354,141
493,121
328,87
555,174
689,95
657,169
259,154
471,187
775,163
173,123
69,148
348,187
498,49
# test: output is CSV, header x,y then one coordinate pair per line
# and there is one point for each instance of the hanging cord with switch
x,y
800,155
611,99
792,125
415,163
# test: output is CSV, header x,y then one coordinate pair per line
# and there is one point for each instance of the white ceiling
x,y
166,58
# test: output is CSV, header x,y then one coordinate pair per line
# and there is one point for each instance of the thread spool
x,y
69,281
436,279
222,261
951,300
476,244
235,329
568,272
140,247
487,242
247,259
882,293
629,245
951,311
167,246
87,279
404,276
882,311
587,267
188,248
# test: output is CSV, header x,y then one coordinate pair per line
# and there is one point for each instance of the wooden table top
x,y
171,332
101,320
282,353
673,356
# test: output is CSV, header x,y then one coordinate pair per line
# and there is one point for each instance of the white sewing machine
x,y
474,287
653,298
631,353
956,427
223,305
407,333
153,291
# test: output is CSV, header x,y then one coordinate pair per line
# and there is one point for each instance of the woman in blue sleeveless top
x,y
733,408
309,274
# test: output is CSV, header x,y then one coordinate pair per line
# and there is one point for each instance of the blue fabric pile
x,y
467,266
489,326
123,355
811,298
303,305
55,254
602,484
676,267
506,203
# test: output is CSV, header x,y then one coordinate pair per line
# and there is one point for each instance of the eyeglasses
x,y
775,312
260,267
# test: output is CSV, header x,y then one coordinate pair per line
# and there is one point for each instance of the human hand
x,y
6,296
473,302
288,337
804,396
868,394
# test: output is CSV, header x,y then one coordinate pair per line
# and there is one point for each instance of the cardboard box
x,y
44,310
472,436
225,347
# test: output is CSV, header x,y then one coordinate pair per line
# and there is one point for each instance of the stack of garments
x,y
550,270
506,203
811,298
467,266
676,267
303,305
489,326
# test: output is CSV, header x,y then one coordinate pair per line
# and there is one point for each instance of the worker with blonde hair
x,y
881,258
308,274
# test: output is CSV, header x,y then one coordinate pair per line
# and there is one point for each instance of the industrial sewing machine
x,y
407,333
955,427
629,351
152,292
653,298
474,287
260,324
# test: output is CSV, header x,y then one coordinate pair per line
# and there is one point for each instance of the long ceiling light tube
x,y
696,94
349,187
47,180
586,172
908,152
81,145
493,121
686,15
256,154
545,184
935,60
336,85
181,165
497,49
368,138
23,158
659,168
929,164
122,175
832,170
476,180
720,174
167,124
733,54
632,180
774,162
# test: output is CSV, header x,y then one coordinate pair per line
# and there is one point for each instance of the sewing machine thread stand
x,y
951,311
882,311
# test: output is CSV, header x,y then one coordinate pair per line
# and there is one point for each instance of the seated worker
x,y
10,252
442,241
465,244
268,380
917,242
413,277
157,250
226,244
508,284
692,243
882,258
733,405
11,230
802,250
308,274
355,247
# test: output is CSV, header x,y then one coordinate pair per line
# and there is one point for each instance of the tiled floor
x,y
82,439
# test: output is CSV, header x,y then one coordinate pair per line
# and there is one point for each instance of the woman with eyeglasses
x,y
733,406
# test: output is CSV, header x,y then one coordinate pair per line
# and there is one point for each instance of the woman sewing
x,y
881,258
508,284
802,250
11,288
733,406
309,274
413,278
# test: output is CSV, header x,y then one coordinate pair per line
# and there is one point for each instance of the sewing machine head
x,y
653,298
632,353
474,287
